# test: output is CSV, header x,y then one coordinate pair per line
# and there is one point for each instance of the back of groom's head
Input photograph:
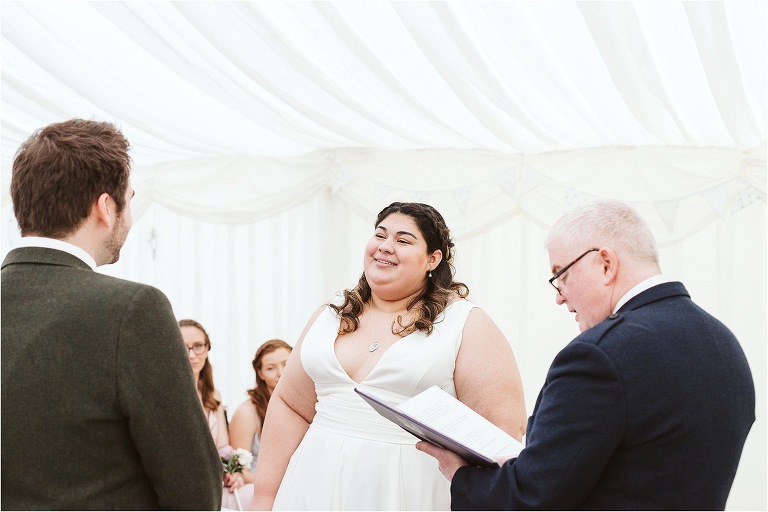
x,y
60,171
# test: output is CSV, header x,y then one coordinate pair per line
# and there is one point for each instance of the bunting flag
x,y
380,191
421,196
716,197
746,196
531,179
574,198
341,178
667,210
517,180
461,196
507,181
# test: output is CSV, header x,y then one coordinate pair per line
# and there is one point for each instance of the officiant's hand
x,y
448,461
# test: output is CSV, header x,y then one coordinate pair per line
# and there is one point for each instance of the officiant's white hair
x,y
606,223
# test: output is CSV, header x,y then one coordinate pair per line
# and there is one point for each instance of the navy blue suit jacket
x,y
647,410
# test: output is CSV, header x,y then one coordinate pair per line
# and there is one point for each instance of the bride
x,y
406,326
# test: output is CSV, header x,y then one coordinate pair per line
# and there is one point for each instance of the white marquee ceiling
x,y
239,110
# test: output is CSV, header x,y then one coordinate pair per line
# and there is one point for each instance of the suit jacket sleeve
x,y
576,425
157,393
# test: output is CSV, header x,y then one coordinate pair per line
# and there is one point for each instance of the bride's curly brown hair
x,y
438,290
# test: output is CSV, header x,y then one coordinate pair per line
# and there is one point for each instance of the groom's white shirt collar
x,y
61,245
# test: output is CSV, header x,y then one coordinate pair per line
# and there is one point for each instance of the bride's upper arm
x,y
486,376
295,388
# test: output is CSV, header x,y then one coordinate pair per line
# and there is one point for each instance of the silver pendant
x,y
373,346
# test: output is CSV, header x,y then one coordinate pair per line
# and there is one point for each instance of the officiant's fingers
x,y
448,461
428,448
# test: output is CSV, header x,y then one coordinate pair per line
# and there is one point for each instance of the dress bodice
x,y
409,366
351,458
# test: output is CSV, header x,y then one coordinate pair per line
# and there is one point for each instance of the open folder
x,y
439,418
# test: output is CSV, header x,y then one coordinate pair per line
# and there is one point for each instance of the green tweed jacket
x,y
99,407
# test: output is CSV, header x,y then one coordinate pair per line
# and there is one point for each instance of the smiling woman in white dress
x,y
406,326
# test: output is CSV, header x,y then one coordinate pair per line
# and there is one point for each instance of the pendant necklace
x,y
375,344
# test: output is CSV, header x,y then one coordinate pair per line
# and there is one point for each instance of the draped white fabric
x,y
267,135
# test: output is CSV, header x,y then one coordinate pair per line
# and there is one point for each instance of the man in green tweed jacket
x,y
99,407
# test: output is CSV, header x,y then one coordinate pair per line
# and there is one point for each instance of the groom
x,y
99,407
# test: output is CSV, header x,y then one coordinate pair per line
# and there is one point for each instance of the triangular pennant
x,y
380,192
341,178
531,179
746,196
508,181
461,196
421,196
668,212
716,198
574,198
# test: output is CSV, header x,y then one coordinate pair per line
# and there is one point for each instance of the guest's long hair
x,y
205,382
438,289
260,395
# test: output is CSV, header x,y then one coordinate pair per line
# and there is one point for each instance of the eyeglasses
x,y
197,348
553,279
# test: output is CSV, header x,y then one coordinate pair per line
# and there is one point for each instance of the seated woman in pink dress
x,y
198,344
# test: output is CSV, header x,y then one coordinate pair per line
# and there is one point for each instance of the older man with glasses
x,y
648,408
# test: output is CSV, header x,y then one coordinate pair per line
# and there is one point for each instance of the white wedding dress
x,y
352,458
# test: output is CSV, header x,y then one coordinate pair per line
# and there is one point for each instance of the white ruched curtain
x,y
267,136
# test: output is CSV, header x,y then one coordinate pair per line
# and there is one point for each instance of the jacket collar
x,y
62,245
44,256
654,293
640,288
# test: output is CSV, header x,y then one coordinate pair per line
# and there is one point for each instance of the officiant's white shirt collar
x,y
640,288
61,245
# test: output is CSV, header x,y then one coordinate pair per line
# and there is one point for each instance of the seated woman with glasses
x,y
198,344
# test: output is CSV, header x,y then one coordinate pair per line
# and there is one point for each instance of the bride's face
x,y
396,261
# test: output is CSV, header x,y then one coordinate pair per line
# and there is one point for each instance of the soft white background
x,y
267,135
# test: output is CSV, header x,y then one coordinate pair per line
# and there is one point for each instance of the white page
x,y
446,414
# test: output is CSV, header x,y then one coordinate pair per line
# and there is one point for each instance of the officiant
x,y
647,409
